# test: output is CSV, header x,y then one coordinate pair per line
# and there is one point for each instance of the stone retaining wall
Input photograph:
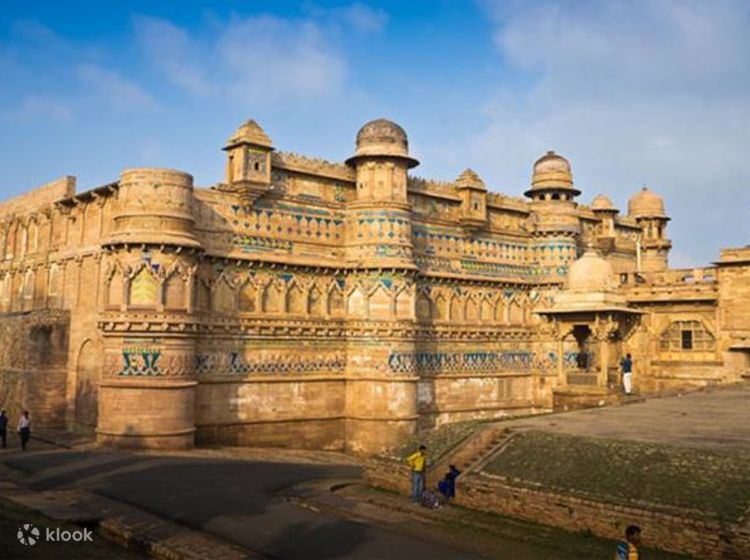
x,y
668,528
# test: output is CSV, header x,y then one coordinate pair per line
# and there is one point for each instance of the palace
x,y
305,303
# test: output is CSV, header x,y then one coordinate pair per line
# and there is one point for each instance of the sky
x,y
633,93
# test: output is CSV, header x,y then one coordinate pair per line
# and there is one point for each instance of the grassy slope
x,y
440,440
629,471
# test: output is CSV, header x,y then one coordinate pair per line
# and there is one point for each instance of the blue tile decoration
x,y
408,362
233,363
140,361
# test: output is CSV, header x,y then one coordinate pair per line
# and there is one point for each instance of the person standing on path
x,y
4,428
24,429
417,461
627,373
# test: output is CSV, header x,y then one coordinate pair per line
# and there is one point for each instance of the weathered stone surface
x,y
331,305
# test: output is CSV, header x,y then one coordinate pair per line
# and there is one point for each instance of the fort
x,y
344,306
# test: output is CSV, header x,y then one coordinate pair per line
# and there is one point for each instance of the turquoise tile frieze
x,y
407,362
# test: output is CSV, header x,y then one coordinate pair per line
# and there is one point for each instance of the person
x,y
447,486
417,461
628,549
431,500
4,428
24,429
627,373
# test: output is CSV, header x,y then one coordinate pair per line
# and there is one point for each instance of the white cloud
x,y
362,17
116,89
631,92
269,57
252,60
34,107
175,53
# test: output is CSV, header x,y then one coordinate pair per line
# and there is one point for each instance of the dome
x,y
249,133
602,203
382,137
646,204
469,179
591,273
552,172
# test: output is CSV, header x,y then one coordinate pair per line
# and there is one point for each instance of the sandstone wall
x,y
667,528
327,306
33,353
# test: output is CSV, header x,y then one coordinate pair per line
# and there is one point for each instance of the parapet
x,y
154,206
40,197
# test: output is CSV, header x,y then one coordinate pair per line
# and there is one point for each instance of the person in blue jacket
x,y
447,486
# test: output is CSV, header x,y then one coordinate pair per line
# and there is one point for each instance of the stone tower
x,y
647,208
607,213
557,228
381,407
148,384
473,193
248,171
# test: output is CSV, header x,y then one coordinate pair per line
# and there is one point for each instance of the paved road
x,y
715,419
232,499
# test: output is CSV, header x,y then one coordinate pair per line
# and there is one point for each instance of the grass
x,y
495,536
13,516
712,481
440,440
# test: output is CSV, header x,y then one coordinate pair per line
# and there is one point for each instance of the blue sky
x,y
644,91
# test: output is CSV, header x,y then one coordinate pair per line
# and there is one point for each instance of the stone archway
x,y
87,388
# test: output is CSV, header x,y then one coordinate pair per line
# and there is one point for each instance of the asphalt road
x,y
235,500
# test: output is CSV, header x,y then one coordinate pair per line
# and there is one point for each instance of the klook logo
x,y
28,534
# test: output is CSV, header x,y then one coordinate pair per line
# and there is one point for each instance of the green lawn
x,y
495,536
13,516
440,440
619,471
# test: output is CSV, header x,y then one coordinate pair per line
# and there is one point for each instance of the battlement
x,y
40,197
672,277
313,166
737,255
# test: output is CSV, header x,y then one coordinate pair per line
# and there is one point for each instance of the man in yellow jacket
x,y
418,463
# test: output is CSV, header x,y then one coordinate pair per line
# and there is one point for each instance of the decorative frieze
x,y
479,361
238,363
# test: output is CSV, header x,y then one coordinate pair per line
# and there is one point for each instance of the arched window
x,y
686,336
335,302
28,285
174,291
248,298
143,289
224,296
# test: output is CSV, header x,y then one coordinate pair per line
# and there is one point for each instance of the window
x,y
687,336
687,339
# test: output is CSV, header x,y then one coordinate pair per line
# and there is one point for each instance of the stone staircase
x,y
473,453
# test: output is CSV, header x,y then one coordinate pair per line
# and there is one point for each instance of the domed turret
x,y
647,208
249,132
591,273
382,138
380,214
602,203
473,195
646,204
552,179
470,180
604,210
248,171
